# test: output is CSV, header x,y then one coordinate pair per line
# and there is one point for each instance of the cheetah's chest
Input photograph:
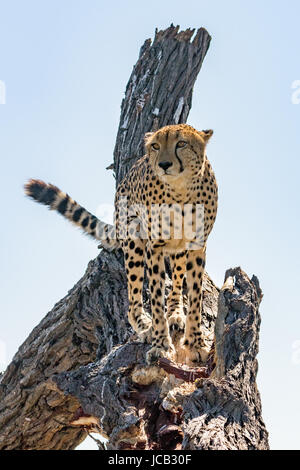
x,y
175,214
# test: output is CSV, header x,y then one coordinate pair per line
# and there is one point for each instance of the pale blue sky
x,y
65,65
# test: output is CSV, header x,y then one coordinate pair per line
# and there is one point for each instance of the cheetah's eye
x,y
181,144
155,146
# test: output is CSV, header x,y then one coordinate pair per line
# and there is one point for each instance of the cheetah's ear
x,y
206,135
147,136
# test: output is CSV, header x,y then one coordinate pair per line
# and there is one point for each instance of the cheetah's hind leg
x,y
175,312
161,341
195,342
134,264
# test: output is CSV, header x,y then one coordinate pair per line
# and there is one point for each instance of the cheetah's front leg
x,y
134,264
194,342
161,341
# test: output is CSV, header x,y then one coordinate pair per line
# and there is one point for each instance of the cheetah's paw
x,y
145,335
196,353
156,352
176,323
198,356
142,326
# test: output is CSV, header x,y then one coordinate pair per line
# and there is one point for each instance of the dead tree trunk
x,y
142,407
52,391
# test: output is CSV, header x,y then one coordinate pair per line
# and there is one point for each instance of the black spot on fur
x,y
62,206
49,196
93,224
35,189
85,222
77,214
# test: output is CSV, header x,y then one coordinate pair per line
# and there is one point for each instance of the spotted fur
x,y
174,173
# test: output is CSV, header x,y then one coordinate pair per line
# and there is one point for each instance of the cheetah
x,y
168,192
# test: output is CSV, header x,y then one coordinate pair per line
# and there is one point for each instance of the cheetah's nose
x,y
165,165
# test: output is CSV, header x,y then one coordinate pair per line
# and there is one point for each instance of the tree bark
x,y
159,91
142,407
52,393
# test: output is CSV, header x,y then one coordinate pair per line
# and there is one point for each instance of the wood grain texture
x,y
159,90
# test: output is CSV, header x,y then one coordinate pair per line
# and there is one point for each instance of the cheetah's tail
x,y
53,197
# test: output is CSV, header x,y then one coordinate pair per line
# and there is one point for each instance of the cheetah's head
x,y
177,152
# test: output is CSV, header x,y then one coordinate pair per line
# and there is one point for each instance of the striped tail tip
x,y
41,192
